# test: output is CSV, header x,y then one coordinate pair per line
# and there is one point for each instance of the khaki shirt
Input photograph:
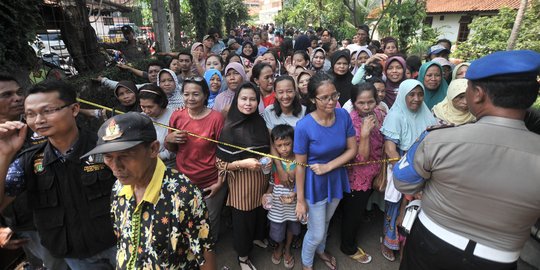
x,y
481,181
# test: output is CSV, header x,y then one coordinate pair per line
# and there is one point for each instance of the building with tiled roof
x,y
452,17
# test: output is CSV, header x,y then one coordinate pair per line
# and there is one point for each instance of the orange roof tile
x,y
450,6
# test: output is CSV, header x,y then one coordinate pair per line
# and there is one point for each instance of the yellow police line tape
x,y
236,146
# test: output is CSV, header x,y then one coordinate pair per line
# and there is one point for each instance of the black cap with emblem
x,y
122,132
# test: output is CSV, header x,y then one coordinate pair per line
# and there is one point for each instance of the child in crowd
x,y
283,222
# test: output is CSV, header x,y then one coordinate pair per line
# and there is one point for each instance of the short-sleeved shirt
x,y
197,157
321,145
272,120
478,180
168,229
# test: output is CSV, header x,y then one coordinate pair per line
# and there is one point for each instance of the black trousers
x,y
247,226
424,250
353,207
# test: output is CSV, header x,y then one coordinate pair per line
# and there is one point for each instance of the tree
x,y
175,26
490,34
402,20
199,8
234,13
517,24
359,9
215,14
16,55
79,36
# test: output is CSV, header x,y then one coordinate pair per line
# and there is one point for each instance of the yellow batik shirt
x,y
168,229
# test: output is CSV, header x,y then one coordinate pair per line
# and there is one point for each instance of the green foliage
x,y
491,33
301,13
234,12
215,14
403,20
199,9
536,104
14,49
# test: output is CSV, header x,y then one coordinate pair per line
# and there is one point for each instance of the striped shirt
x,y
281,212
246,187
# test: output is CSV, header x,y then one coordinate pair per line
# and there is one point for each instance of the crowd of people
x,y
289,114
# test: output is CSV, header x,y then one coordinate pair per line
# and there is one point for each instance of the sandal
x,y
261,243
360,256
289,264
276,260
388,253
329,260
246,265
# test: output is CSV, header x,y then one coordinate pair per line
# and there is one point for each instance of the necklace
x,y
198,115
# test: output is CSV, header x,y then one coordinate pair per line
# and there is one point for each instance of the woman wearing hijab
x,y
460,70
249,53
235,76
317,59
453,109
405,121
342,77
394,70
199,58
301,43
126,93
242,170
168,81
214,80
431,77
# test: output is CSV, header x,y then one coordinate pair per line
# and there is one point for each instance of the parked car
x,y
50,42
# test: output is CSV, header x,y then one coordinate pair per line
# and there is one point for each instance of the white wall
x,y
448,27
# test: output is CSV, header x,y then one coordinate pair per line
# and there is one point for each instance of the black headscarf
x,y
343,83
135,107
253,55
243,130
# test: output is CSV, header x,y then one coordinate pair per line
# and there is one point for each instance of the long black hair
x,y
296,104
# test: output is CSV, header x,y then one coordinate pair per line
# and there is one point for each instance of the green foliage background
x,y
490,34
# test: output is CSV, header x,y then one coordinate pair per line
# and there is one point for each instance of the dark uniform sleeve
x,y
15,183
413,169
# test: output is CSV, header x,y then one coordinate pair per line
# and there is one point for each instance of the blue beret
x,y
505,63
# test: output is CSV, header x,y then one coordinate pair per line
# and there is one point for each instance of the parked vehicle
x,y
50,41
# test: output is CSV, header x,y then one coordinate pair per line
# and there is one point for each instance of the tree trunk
x,y
174,15
80,38
517,24
159,22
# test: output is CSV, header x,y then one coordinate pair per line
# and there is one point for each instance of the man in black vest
x,y
69,196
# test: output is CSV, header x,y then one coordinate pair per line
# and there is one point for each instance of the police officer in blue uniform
x,y
479,181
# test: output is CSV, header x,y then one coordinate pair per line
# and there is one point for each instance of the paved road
x,y
368,237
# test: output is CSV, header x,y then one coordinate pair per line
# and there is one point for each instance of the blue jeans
x,y
319,215
105,260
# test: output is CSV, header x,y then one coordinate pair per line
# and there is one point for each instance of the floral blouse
x,y
361,176
168,229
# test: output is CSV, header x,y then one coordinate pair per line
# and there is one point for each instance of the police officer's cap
x,y
505,63
126,29
122,132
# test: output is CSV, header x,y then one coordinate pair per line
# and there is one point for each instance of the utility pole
x,y
159,24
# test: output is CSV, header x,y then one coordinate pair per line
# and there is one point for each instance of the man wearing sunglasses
x,y
68,196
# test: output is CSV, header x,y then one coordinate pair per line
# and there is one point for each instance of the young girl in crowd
x,y
214,80
214,62
302,82
153,101
317,60
298,59
283,222
324,139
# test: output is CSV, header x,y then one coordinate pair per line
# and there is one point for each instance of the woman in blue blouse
x,y
324,139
